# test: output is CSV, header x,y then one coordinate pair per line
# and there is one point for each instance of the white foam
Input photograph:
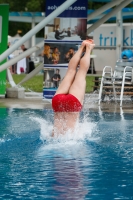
x,y
2,140
70,145
82,132
46,128
68,149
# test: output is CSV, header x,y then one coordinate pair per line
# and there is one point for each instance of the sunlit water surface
x,y
96,163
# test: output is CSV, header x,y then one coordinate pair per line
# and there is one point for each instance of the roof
x,y
38,16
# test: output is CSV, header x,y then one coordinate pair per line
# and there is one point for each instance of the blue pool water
x,y
95,164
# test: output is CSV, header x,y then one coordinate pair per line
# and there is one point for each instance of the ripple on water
x,y
94,162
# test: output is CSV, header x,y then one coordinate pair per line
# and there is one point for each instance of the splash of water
x,y
2,140
82,131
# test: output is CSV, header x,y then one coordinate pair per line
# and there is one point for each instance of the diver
x,y
68,100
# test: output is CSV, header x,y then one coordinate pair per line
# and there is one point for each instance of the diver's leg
x,y
70,74
79,85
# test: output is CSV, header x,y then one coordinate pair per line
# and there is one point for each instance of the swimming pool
x,y
96,165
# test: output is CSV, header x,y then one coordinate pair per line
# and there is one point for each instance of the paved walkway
x,y
91,103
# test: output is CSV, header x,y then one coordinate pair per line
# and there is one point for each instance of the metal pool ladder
x,y
119,79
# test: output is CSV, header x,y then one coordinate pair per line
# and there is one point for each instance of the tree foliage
x,y
24,5
94,5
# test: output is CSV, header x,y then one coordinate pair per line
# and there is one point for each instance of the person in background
x,y
71,52
56,78
68,32
55,55
27,59
69,55
68,99
58,33
23,47
47,54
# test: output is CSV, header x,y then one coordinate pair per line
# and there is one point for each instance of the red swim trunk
x,y
66,103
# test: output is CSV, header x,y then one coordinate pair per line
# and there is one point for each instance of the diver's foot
x,y
90,41
84,45
89,46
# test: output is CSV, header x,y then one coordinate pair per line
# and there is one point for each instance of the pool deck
x,y
32,103
91,103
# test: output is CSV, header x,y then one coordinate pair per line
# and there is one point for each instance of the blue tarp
x,y
124,10
129,10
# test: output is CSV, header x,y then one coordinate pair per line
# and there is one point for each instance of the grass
x,y
90,84
36,83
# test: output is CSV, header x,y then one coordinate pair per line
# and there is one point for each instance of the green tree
x,y
34,6
31,5
23,6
